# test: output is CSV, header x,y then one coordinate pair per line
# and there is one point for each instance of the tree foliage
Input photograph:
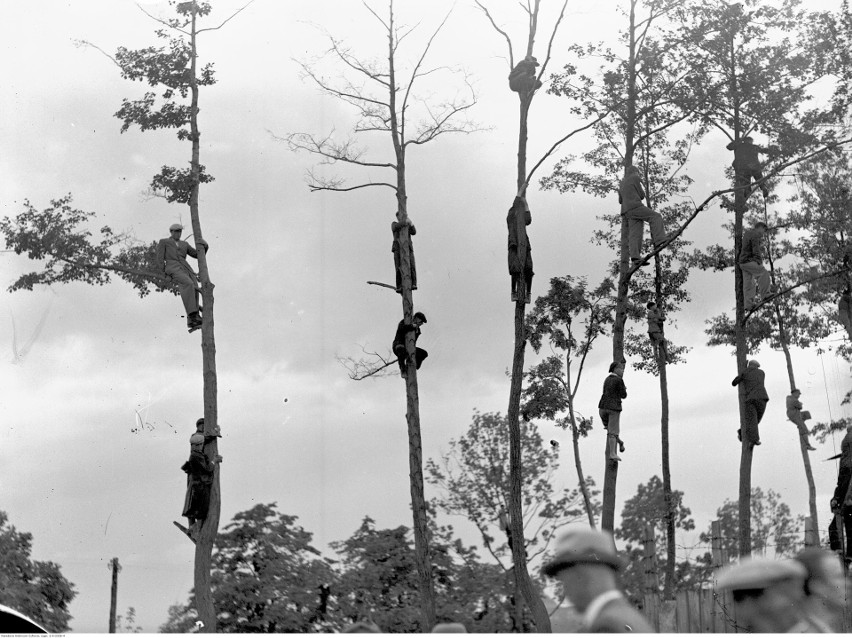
x,y
265,574
648,507
775,532
473,476
35,588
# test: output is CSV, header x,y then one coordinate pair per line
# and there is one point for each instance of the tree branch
x,y
500,31
227,20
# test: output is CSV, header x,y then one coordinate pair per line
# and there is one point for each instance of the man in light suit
x,y
587,565
171,260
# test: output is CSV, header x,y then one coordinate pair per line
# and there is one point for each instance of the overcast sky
x,y
290,269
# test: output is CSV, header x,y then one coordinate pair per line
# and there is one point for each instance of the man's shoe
x,y
514,296
620,446
740,436
617,459
638,263
811,448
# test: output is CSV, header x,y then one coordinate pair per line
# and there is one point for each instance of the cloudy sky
x,y
81,367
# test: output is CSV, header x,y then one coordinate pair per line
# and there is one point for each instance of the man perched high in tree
x,y
747,163
631,196
756,280
171,260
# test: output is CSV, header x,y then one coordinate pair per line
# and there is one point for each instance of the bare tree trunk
x,y
113,597
516,519
422,553
575,442
803,441
660,352
611,471
210,525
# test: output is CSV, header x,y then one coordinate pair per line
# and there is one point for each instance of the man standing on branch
x,y
756,279
172,264
609,408
631,196
747,164
756,399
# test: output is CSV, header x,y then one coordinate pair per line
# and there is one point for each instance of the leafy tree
x,y
754,65
266,577
644,90
775,532
649,506
473,476
641,91
378,582
129,620
384,98
551,392
35,588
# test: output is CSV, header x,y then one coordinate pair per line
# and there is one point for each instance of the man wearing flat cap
x,y
755,401
769,595
587,565
172,264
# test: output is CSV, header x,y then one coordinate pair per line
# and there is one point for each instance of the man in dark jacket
x,y
172,264
655,327
631,196
609,408
522,78
747,163
755,400
397,262
199,470
517,267
399,342
586,563
756,279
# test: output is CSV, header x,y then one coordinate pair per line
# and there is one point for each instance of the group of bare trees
x,y
679,71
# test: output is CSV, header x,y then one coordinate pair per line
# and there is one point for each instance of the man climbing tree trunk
x,y
386,104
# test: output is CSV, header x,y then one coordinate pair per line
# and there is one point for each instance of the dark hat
x,y
650,303
583,546
758,573
200,421
421,315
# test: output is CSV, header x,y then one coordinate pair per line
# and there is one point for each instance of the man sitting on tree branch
x,y
172,264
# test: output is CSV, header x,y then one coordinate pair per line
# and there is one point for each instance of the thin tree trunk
x,y
575,442
611,471
803,441
516,519
422,551
113,597
210,525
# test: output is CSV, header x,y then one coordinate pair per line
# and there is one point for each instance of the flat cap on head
x,y
583,546
175,227
758,573
449,628
753,363
196,439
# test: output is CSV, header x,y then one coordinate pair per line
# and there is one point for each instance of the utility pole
x,y
113,564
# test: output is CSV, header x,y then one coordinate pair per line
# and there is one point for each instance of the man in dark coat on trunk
x,y
609,407
517,267
755,400
199,470
399,342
